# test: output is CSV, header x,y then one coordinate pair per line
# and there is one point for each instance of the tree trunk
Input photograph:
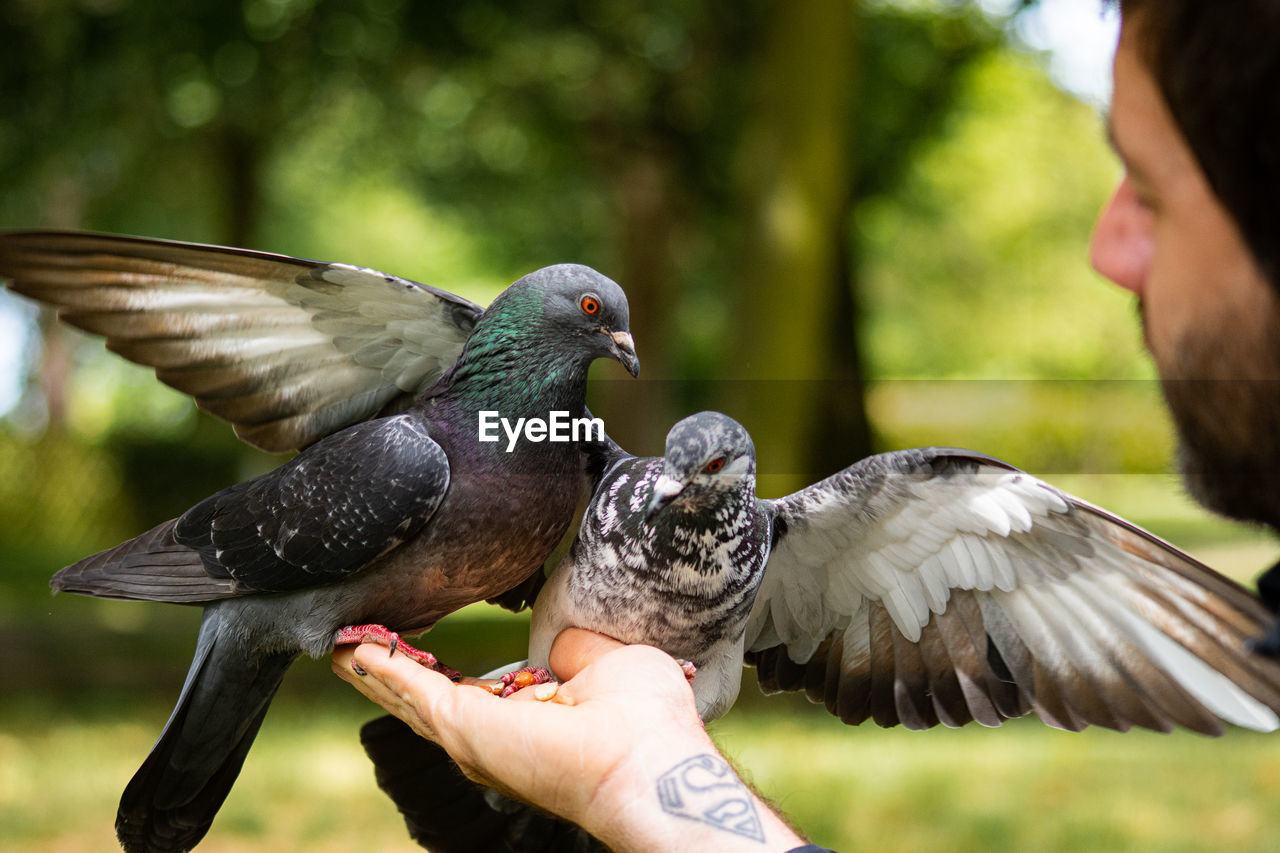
x,y
796,339
240,159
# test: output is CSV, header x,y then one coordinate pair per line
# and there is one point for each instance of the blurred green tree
x,y
716,158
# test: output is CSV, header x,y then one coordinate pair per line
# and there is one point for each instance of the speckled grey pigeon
x,y
670,553
395,521
918,587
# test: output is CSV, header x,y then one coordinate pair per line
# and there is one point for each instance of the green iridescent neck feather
x,y
514,364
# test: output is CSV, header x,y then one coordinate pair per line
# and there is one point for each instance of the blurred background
x,y
854,225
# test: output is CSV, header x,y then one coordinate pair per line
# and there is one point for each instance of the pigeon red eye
x,y
589,304
714,465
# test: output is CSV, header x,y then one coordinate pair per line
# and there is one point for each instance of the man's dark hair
x,y
1218,66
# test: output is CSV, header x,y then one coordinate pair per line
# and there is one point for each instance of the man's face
x,y
1212,322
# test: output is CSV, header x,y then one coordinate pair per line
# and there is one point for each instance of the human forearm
x,y
678,795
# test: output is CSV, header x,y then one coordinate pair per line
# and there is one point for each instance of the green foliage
x,y
977,267
42,515
1045,426
464,144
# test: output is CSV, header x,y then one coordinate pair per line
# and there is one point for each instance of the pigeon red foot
x,y
522,678
688,667
384,636
528,676
511,682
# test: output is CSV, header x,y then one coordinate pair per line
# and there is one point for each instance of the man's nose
x,y
1120,248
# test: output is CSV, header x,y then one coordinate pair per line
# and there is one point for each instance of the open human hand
x,y
612,748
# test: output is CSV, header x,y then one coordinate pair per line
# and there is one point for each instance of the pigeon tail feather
x,y
151,567
170,803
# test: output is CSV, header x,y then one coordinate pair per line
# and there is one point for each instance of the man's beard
x,y
1229,428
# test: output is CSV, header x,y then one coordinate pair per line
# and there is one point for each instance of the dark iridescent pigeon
x,y
395,521
918,587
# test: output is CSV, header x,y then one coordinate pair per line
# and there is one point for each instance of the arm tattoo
x,y
704,788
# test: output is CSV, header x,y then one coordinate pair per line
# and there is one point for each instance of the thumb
x,y
574,649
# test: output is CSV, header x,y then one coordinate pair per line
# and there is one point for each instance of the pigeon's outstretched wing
x,y
287,350
321,516
941,586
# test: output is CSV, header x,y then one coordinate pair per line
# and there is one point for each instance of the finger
x,y
345,667
524,694
575,648
377,689
398,673
341,662
402,686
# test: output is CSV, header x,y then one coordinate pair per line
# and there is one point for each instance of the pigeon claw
x,y
383,636
688,667
522,678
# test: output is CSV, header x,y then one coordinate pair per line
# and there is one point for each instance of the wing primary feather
x,y
1105,695
1008,692
911,685
883,680
1169,701
950,707
1223,688
1192,626
1056,667
828,692
973,678
150,567
1018,654
852,696
815,669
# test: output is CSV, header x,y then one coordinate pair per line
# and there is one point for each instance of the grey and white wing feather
x,y
941,586
287,350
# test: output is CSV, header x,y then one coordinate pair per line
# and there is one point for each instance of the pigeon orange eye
x,y
589,304
714,465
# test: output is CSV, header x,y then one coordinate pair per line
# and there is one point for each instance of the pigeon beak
x,y
624,350
664,492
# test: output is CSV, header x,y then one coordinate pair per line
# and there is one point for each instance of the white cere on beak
x,y
667,488
664,490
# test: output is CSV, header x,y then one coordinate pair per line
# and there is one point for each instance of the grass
x,y
1018,788
307,786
